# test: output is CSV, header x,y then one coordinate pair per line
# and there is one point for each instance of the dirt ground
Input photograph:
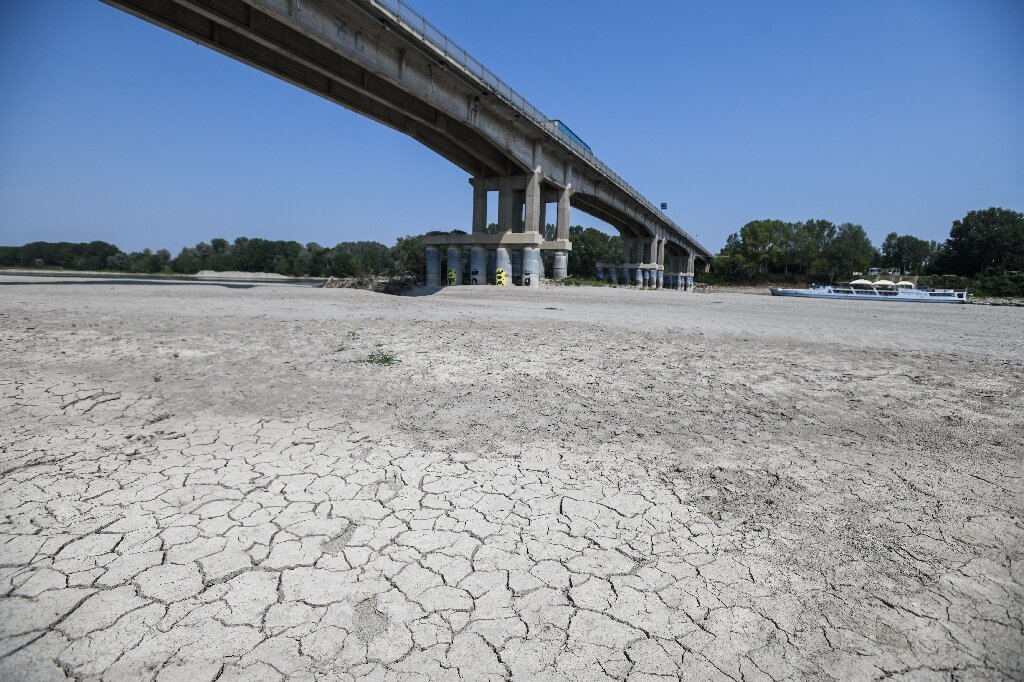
x,y
203,482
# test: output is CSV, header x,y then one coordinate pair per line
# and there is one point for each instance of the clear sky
x,y
898,115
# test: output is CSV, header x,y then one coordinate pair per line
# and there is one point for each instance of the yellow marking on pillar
x,y
499,277
451,277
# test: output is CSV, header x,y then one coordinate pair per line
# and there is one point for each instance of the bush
x,y
581,282
1004,284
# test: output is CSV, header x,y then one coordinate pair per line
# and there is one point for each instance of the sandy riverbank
x,y
575,483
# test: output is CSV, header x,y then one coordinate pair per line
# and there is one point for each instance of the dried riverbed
x,y
571,484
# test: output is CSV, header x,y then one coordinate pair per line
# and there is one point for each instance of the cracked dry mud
x,y
560,485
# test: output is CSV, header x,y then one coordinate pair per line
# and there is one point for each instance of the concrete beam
x,y
506,239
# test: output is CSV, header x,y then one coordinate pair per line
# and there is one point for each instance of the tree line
x,y
407,257
243,254
987,242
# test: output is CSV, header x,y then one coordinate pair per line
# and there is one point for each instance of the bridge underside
x,y
358,55
271,43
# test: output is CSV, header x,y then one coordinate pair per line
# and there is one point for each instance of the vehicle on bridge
x,y
571,135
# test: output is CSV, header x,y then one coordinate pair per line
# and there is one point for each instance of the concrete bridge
x,y
383,60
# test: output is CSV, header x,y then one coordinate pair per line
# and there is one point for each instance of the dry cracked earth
x,y
203,482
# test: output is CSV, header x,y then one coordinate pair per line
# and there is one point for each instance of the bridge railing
x,y
418,24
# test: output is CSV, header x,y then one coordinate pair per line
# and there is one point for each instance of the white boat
x,y
883,290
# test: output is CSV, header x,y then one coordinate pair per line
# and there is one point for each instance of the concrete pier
x,y
477,265
492,260
502,267
516,264
454,266
560,268
533,267
433,266
643,274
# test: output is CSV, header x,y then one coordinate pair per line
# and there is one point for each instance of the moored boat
x,y
863,290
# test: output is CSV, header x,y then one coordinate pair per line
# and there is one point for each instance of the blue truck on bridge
x,y
567,131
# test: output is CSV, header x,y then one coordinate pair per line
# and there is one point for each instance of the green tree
x,y
219,256
988,241
906,252
368,258
118,262
78,256
590,246
339,262
409,257
733,258
813,238
850,251
767,243
186,262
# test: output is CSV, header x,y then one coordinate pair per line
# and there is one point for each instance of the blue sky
x,y
898,115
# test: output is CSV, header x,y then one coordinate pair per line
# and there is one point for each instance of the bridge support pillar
x,y
492,259
533,267
660,261
502,267
519,210
477,265
533,203
454,265
560,267
562,220
638,277
516,263
623,277
599,273
479,206
506,205
433,266
645,277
